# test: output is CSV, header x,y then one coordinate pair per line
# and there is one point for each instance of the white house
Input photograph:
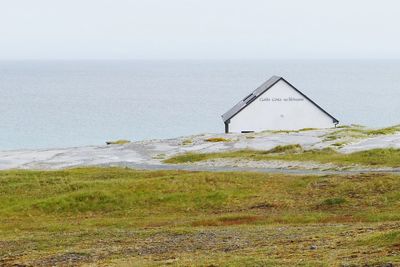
x,y
276,105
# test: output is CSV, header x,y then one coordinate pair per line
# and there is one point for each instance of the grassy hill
x,y
133,218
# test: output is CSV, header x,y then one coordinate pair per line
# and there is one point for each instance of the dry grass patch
x,y
217,139
383,157
229,220
295,148
187,142
359,132
118,142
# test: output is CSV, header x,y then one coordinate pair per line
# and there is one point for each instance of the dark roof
x,y
259,91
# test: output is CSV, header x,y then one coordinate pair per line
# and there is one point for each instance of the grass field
x,y
383,157
122,217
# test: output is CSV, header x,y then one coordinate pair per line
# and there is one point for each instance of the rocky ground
x,y
150,154
305,245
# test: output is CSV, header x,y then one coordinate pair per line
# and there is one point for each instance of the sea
x,y
51,104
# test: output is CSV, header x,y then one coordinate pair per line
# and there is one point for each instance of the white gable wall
x,y
280,108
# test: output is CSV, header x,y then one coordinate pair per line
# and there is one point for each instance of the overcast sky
x,y
199,29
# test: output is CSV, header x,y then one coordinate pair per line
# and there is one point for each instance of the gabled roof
x,y
259,91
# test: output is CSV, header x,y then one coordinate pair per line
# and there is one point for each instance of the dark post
x,y
226,127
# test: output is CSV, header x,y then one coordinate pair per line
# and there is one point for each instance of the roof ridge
x,y
259,91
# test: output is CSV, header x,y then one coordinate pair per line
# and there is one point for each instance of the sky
x,y
199,29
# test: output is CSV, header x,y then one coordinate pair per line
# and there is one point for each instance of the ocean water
x,y
47,104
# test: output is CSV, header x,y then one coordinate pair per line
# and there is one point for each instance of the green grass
x,y
123,217
344,126
307,129
292,131
333,201
391,238
348,131
339,144
285,149
385,157
384,131
357,132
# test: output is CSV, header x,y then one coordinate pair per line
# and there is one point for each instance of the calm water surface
x,y
72,103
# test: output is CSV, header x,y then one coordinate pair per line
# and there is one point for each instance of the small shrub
x,y
285,149
217,139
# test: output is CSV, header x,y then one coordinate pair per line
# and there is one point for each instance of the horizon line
x,y
188,59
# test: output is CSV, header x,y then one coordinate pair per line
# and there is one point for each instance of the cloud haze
x,y
206,29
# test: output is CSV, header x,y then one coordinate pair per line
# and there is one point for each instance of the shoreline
x,y
152,153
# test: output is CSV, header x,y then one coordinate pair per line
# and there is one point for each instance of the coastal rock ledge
x,y
151,154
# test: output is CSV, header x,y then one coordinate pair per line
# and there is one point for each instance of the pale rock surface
x,y
149,154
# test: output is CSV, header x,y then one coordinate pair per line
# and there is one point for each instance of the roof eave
x,y
274,79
